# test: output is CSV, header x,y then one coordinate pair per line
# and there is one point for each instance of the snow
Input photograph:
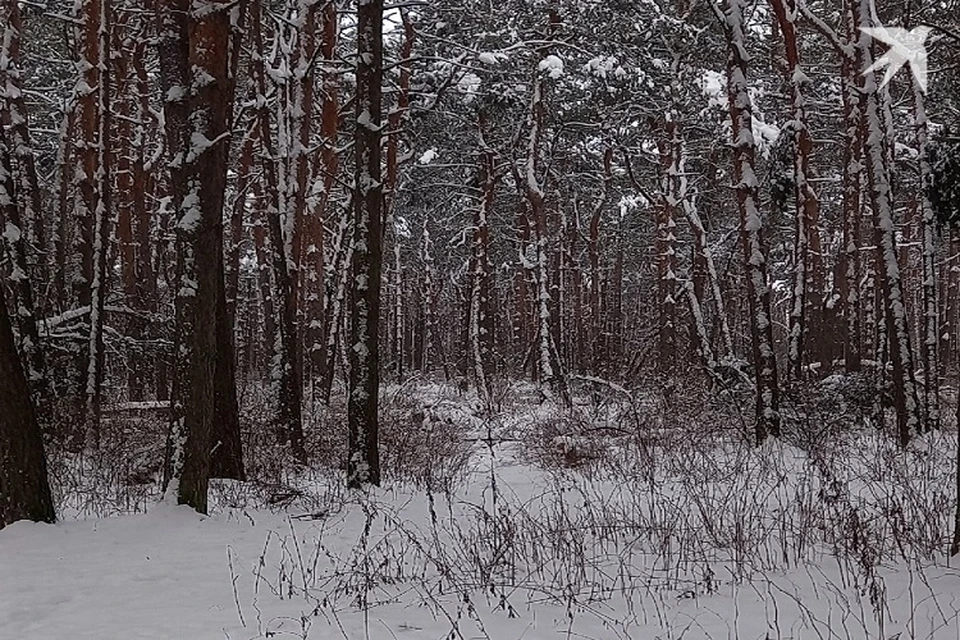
x,y
191,214
492,58
765,135
714,85
428,156
175,94
469,84
299,572
553,65
602,66
11,233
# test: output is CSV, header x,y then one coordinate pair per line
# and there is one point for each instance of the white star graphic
x,y
905,47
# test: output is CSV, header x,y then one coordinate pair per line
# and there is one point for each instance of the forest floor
x,y
627,518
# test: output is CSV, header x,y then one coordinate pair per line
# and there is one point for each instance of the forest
x,y
479,319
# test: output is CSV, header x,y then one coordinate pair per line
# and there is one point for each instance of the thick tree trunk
x,y
363,388
14,242
194,47
24,489
226,449
89,218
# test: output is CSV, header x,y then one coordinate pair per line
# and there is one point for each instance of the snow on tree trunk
x,y
101,211
751,225
321,321
929,336
363,387
88,207
14,242
24,489
849,268
878,177
666,252
287,372
14,116
703,258
342,261
704,254
951,300
481,329
397,323
808,273
551,376
195,47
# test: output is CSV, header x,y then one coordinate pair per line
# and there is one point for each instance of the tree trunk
x,y
14,241
665,247
888,271
195,70
15,118
549,369
850,267
284,236
343,260
24,489
481,329
363,388
321,323
751,225
929,340
808,273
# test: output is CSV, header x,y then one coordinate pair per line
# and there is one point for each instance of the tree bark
x,y
363,389
24,489
284,236
930,316
888,271
850,267
751,224
195,70
808,272
549,368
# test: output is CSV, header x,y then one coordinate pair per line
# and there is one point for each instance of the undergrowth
x,y
627,497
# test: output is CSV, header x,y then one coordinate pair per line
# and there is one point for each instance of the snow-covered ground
x,y
719,542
